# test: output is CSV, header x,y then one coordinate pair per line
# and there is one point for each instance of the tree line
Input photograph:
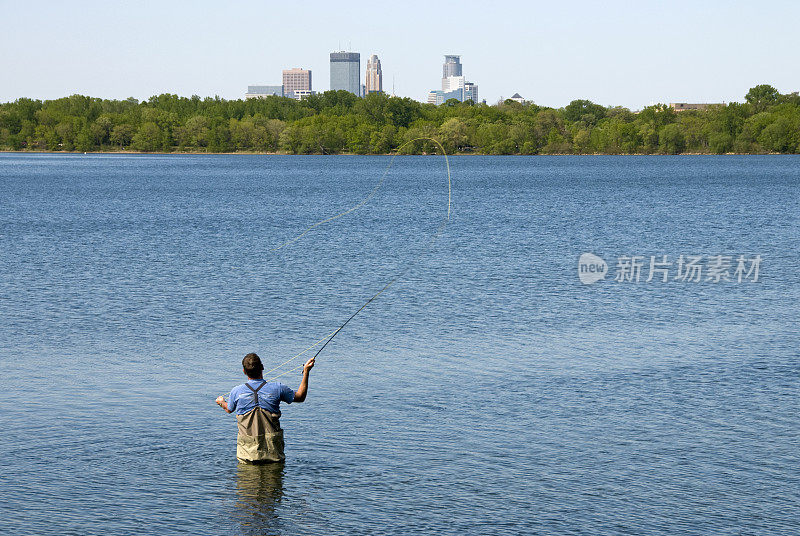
x,y
339,122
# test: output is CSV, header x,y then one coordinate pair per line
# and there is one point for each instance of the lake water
x,y
488,391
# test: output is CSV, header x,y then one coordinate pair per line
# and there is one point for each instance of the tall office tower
x,y
346,71
452,66
296,80
374,75
454,84
452,78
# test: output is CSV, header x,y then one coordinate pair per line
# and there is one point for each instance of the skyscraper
x,y
452,66
452,77
296,80
374,75
454,84
346,71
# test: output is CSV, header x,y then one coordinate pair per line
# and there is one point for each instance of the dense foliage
x,y
337,122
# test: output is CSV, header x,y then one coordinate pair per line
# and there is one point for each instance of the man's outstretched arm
x,y
222,403
301,392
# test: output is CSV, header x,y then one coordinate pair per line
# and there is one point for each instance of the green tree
x,y
556,143
147,138
582,141
415,139
762,97
780,136
671,139
291,139
359,137
334,102
748,139
196,132
649,139
584,111
84,141
694,127
453,135
487,135
548,126
100,130
220,140
382,141
122,134
657,116
66,135
402,112
720,142
272,129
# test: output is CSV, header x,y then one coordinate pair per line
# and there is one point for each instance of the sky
x,y
630,54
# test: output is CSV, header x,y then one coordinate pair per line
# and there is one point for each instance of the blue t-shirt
x,y
270,396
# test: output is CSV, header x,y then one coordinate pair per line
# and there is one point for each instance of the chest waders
x,y
260,436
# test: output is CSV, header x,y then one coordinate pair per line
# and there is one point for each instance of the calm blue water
x,y
487,392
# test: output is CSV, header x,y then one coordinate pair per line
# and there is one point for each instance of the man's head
x,y
252,366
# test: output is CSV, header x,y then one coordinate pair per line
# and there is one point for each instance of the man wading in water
x,y
256,404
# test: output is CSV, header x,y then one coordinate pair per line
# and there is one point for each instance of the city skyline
x,y
612,54
345,74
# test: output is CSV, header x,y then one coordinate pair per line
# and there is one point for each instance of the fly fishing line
x,y
328,338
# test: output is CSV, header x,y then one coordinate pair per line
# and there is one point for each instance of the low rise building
x,y
471,92
259,92
440,97
683,106
300,94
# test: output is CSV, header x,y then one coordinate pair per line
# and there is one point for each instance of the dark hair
x,y
252,365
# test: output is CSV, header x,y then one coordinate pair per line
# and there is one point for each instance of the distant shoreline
x,y
254,153
338,122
